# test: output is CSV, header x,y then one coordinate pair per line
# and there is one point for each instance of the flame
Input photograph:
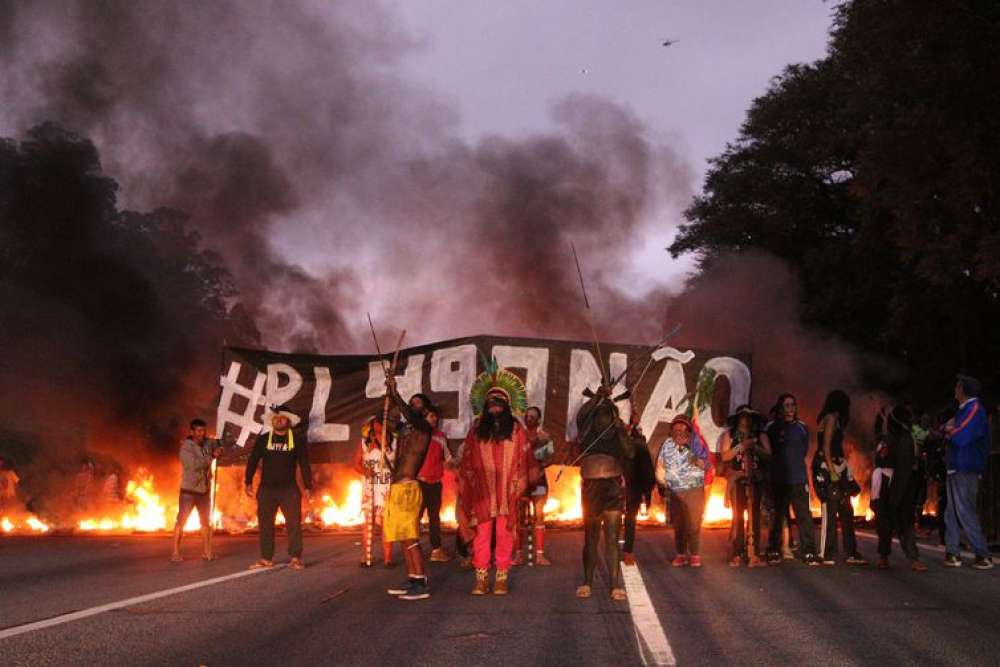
x,y
716,513
22,522
144,513
348,513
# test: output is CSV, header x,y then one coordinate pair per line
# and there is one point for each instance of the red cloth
x,y
493,475
504,548
433,468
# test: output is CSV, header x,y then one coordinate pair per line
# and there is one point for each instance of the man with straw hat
x,y
279,450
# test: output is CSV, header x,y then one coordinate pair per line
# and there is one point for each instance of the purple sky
x,y
501,64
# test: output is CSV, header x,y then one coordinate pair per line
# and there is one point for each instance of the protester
x,y
640,478
196,454
789,439
84,485
745,450
680,473
533,505
895,495
401,517
937,471
494,473
8,484
921,432
605,452
279,451
430,478
968,437
833,481
376,466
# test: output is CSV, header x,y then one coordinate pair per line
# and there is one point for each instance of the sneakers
x,y
811,560
983,563
696,560
773,558
826,560
418,590
439,555
951,560
918,566
680,560
786,554
736,561
856,559
399,590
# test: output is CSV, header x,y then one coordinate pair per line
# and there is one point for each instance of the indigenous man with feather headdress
x,y
493,473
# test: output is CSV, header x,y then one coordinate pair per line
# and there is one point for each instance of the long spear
x,y
590,316
386,370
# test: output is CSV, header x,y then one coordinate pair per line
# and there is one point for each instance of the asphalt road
x,y
335,613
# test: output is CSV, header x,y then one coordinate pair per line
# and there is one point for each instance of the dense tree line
x,y
875,174
113,319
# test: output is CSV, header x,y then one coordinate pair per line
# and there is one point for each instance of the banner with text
x,y
334,395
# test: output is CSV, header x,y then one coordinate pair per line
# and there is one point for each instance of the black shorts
x,y
190,500
601,495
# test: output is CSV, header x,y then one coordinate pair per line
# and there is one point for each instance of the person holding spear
x,y
376,466
400,518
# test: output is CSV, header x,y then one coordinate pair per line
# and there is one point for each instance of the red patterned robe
x,y
493,475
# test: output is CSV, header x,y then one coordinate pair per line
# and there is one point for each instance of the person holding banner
x,y
279,451
196,455
400,519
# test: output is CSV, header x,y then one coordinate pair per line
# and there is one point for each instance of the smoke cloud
x,y
329,186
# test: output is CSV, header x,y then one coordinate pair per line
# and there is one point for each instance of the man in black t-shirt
x,y
280,450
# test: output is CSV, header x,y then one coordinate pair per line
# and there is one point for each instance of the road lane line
x,y
111,606
648,630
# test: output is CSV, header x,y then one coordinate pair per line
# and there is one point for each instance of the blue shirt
x,y
790,444
969,443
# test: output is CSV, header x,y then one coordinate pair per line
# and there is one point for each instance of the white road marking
x,y
648,630
111,606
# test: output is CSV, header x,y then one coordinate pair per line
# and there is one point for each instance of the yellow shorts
x,y
402,512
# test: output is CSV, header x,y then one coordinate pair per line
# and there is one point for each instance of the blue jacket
x,y
969,443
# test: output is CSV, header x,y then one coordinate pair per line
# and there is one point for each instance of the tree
x,y
874,173
119,315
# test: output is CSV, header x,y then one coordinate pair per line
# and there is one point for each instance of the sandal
x,y
176,558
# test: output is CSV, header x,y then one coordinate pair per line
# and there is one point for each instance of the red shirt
x,y
432,471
